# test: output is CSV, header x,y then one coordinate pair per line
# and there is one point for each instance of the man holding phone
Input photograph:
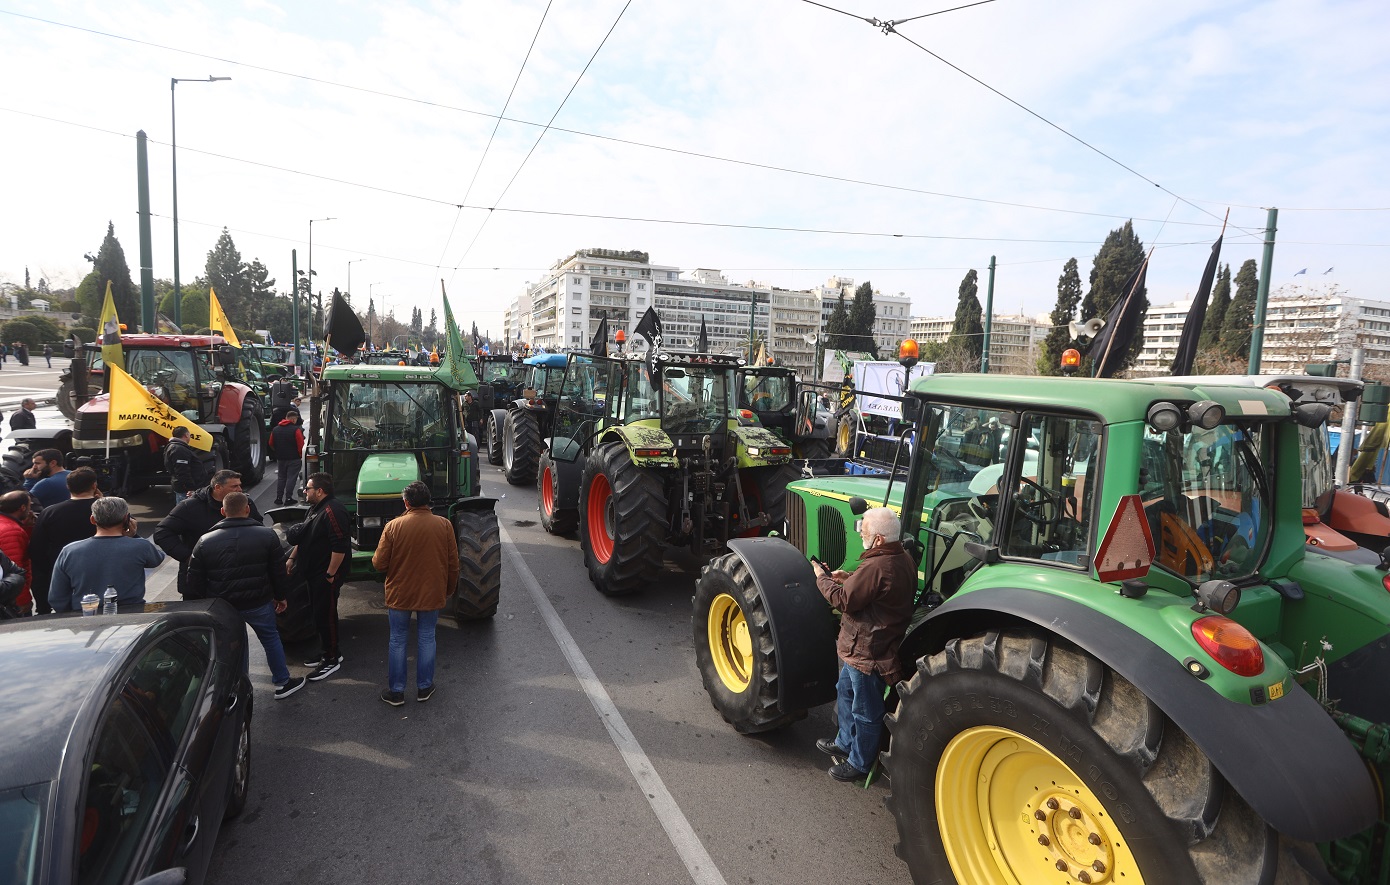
x,y
875,605
116,556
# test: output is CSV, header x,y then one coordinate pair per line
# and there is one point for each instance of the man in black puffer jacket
x,y
193,517
241,561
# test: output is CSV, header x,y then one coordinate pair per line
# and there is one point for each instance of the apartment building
x,y
892,313
1015,340
582,289
728,310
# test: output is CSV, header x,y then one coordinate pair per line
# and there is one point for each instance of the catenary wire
x,y
596,136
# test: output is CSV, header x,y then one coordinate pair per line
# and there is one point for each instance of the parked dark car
x,y
126,745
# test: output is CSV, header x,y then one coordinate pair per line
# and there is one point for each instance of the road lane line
x,y
692,852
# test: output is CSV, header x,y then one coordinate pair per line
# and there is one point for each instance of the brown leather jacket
x,y
420,556
875,605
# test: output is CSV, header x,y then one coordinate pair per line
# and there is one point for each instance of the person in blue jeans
x,y
241,560
419,555
875,605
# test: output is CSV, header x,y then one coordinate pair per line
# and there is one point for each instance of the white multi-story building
x,y
796,322
516,322
892,313
581,290
1301,327
725,308
1014,340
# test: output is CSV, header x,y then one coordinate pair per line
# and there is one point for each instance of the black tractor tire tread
x,y
252,469
521,459
846,427
492,429
66,400
480,565
640,524
814,449
755,709
1213,836
561,521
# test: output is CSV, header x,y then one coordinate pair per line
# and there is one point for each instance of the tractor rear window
x,y
695,399
390,416
766,393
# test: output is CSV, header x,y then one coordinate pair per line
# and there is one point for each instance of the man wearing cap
x,y
287,445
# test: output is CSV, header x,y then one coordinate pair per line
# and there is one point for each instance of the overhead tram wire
x,y
495,126
537,144
770,167
596,216
888,27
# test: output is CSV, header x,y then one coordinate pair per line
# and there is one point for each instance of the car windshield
x,y
767,393
1207,502
21,828
390,416
695,399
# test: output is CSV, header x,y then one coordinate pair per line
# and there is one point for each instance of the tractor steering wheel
x,y
1035,510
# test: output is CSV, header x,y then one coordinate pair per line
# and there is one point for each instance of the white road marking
x,y
692,852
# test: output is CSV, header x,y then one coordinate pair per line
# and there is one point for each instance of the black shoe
x,y
278,502
394,698
830,748
289,688
843,771
320,661
423,694
328,669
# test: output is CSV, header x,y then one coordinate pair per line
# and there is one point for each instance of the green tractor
x,y
529,417
771,396
1125,664
636,465
384,427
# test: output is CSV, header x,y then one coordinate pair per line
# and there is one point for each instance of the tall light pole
x,y
351,262
310,275
371,307
174,155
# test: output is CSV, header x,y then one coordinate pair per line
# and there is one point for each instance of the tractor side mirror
x,y
858,505
226,356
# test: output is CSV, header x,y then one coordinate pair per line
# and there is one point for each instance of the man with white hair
x,y
875,605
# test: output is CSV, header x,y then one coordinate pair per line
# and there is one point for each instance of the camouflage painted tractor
x,y
1125,664
384,427
635,466
529,417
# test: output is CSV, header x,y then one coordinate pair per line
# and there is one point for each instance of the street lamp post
x,y
310,275
351,262
174,158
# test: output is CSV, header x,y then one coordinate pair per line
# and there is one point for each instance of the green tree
x,y
195,311
70,306
432,330
1119,256
1063,313
230,277
861,320
48,331
1240,316
262,291
968,331
837,327
20,330
1216,310
109,265
278,318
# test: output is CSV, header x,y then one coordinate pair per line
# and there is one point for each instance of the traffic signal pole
x,y
1257,328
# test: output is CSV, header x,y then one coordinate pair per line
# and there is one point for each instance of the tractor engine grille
x,y
831,531
796,521
90,425
382,509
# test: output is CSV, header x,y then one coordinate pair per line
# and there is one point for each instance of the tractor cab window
x,y
391,417
504,373
1319,477
695,399
1051,501
640,401
766,393
168,373
584,403
1206,499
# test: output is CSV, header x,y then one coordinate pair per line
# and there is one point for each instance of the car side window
x,y
171,676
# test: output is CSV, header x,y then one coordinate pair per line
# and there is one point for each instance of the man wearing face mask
x,y
875,605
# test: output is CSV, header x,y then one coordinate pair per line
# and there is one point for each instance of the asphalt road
x,y
569,741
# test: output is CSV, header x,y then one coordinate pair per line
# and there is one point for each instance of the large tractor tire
x,y
1020,759
521,447
622,521
772,491
493,431
555,520
815,448
67,400
846,429
734,648
480,565
248,450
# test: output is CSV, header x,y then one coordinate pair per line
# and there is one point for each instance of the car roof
x,y
57,665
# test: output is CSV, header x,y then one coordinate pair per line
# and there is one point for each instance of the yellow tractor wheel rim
x,y
730,646
844,437
1012,813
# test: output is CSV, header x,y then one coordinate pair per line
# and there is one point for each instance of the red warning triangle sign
x,y
1127,550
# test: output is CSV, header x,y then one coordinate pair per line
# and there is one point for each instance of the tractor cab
x,y
768,394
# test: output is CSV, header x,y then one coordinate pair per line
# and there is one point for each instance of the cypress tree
x,y
968,330
1119,256
1240,316
1216,309
1059,338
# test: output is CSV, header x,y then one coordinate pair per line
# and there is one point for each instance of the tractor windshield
x,y
504,372
766,393
390,417
1207,501
169,374
695,399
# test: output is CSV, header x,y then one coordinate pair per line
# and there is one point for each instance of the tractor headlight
x,y
371,522
754,452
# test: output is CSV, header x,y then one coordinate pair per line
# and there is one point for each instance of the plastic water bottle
x,y
108,601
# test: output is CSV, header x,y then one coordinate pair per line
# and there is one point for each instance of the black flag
x,y
649,327
703,345
341,328
1196,316
599,346
1108,349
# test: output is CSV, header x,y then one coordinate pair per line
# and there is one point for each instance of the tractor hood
x,y
386,474
758,446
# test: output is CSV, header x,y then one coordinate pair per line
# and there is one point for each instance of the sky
x,y
1020,130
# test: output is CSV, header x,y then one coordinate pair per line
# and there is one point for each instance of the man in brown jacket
x,y
875,604
420,556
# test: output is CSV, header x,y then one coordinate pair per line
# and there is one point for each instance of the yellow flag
x,y
132,407
111,352
217,320
762,354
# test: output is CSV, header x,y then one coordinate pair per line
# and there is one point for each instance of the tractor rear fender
x,y
644,438
467,504
803,625
1287,757
569,472
769,447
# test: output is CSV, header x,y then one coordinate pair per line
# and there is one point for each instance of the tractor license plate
x,y
1276,691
